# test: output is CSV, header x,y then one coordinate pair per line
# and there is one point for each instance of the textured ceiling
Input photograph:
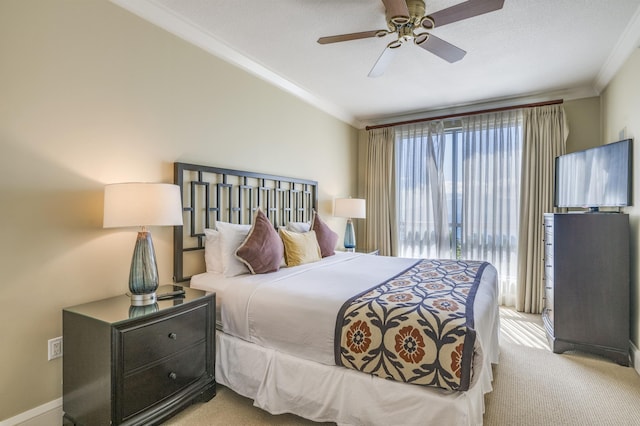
x,y
527,49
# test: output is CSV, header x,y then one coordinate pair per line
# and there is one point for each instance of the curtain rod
x,y
483,111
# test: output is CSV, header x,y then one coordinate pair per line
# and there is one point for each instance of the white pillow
x,y
212,251
298,227
231,236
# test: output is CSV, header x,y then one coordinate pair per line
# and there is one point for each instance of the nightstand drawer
x,y
155,340
151,385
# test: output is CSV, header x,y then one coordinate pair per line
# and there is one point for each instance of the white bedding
x,y
290,315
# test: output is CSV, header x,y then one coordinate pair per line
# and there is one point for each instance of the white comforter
x,y
294,310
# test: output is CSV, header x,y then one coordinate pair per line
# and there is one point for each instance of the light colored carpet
x,y
532,386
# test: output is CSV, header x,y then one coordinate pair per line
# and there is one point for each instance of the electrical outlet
x,y
55,348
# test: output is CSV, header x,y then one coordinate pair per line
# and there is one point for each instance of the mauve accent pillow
x,y
327,239
262,251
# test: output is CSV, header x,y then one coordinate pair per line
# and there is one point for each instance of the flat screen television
x,y
596,177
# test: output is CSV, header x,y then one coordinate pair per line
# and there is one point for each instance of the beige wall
x,y
621,118
89,95
583,118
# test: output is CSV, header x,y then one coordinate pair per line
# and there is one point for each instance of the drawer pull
x,y
173,336
173,376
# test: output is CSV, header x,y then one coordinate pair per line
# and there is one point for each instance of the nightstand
x,y
130,365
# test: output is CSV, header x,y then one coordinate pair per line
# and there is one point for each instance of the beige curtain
x,y
544,138
378,175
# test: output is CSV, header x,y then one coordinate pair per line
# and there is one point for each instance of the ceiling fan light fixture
x,y
405,33
406,16
396,12
399,20
427,23
395,44
421,38
416,10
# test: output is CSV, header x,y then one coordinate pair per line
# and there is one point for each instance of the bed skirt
x,y
280,383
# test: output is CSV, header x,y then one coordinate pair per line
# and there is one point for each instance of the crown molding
x,y
566,95
628,41
164,18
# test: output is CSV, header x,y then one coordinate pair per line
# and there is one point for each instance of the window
x,y
458,191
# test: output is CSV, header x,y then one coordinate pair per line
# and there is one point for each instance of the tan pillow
x,y
300,248
327,239
262,250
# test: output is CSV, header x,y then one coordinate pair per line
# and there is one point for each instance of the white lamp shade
x,y
353,208
142,204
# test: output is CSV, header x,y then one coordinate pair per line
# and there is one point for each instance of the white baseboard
x,y
44,415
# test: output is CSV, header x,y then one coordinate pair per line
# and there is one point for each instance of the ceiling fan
x,y
409,21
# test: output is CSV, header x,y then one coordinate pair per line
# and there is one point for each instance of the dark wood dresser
x,y
587,283
131,365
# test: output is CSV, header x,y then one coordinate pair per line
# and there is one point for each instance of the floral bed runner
x,y
416,327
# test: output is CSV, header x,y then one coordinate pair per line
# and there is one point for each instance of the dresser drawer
x,y
151,385
548,275
548,252
548,300
156,340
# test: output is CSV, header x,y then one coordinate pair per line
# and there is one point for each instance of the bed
x,y
281,333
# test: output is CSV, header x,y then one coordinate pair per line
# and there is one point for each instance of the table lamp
x,y
351,208
142,205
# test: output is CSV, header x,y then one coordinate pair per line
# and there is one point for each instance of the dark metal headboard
x,y
211,193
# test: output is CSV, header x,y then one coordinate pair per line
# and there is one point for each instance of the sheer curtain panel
x,y
477,189
491,161
423,225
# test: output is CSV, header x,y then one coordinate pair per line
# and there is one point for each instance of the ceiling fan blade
x,y
351,36
397,11
443,49
467,9
385,58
